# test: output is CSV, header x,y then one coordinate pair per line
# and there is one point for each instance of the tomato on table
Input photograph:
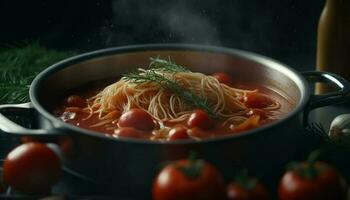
x,y
189,179
312,180
137,118
246,187
32,168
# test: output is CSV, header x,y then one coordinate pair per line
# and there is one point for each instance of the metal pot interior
x,y
53,83
118,161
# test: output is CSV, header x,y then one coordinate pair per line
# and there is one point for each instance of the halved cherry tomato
x,y
76,101
200,119
128,132
257,100
312,181
138,119
189,180
32,168
178,133
223,78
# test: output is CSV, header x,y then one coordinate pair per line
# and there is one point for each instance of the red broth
x,y
163,131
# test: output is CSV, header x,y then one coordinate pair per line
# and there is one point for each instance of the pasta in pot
x,y
170,96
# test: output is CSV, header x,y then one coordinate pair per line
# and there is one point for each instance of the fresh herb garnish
x,y
166,65
19,64
153,75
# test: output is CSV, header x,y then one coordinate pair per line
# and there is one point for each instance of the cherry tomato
x,y
32,168
189,180
312,181
138,119
257,100
178,133
200,119
236,191
128,132
223,78
76,101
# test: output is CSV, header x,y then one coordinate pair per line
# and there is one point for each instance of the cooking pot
x,y
128,165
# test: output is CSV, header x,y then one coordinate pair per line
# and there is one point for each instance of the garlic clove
x,y
339,130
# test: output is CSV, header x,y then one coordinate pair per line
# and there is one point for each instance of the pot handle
x,y
12,128
320,100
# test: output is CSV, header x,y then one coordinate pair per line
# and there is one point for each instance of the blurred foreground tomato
x,y
189,179
32,168
245,187
312,180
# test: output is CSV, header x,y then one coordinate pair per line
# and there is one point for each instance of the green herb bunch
x,y
153,74
19,64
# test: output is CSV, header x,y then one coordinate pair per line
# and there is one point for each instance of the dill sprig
x,y
166,65
19,64
153,75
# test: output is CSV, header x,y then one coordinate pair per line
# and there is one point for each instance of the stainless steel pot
x,y
129,165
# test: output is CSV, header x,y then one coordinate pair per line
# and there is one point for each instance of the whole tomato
x,y
189,179
178,133
137,118
76,101
246,188
32,168
312,180
199,118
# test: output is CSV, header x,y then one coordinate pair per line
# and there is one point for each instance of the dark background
x,y
284,30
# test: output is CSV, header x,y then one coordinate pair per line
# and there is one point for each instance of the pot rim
x,y
269,62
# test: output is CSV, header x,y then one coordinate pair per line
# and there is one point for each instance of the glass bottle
x,y
333,40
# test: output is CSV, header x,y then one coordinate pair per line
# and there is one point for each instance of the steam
x,y
163,22
182,21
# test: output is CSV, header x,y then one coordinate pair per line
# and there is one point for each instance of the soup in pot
x,y
166,102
